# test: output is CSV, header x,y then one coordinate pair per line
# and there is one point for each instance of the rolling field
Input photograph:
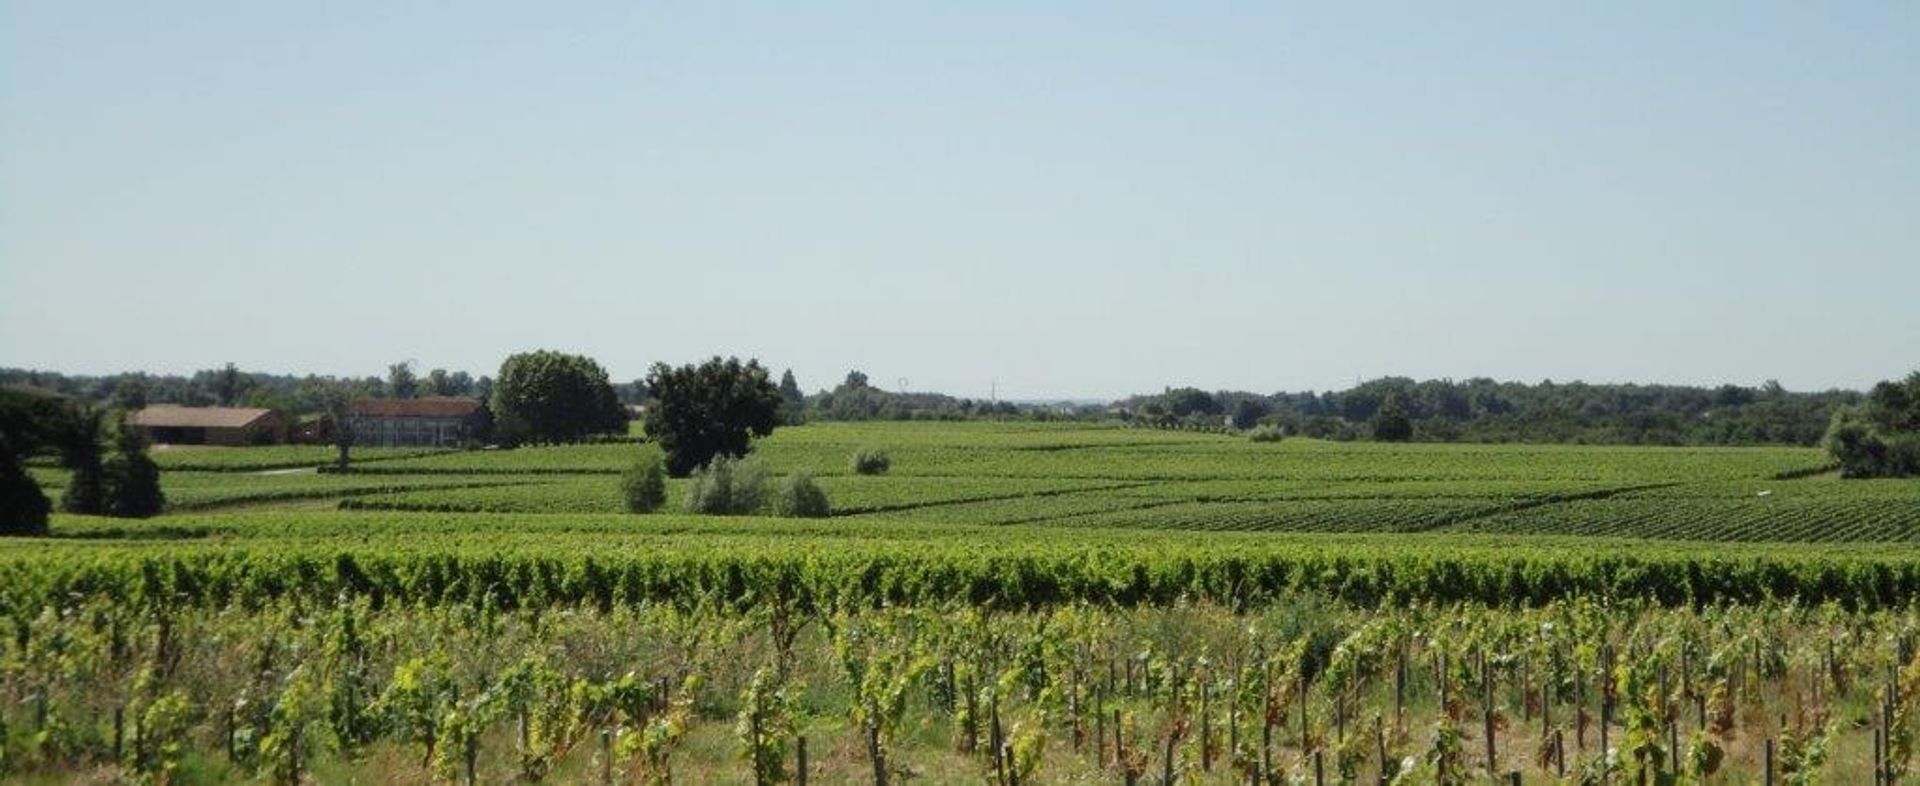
x,y
1100,477
1011,603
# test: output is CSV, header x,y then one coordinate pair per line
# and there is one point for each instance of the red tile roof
x,y
435,407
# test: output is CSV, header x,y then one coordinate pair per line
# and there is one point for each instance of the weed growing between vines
x,y
1301,690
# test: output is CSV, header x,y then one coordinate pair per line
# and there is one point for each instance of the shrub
x,y
132,479
871,461
86,489
79,443
23,508
1864,450
727,487
802,498
643,487
1266,434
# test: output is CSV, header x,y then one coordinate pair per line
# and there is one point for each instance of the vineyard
x,y
1083,476
1008,603
1301,690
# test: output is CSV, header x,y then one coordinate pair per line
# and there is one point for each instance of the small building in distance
x,y
232,426
441,422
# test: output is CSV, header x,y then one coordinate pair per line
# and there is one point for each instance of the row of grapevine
x,y
516,573
1305,691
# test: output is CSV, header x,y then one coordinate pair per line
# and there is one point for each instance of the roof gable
x,y
175,416
431,407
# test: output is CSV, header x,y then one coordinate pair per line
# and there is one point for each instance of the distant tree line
x,y
1483,410
856,399
1390,408
230,386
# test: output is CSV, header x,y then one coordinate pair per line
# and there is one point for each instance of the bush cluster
x,y
727,486
1881,437
738,487
871,461
644,485
1266,434
800,497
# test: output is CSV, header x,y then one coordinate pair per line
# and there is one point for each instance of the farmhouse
x,y
417,422
176,425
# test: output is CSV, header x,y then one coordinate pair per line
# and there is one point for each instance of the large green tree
x,y
29,422
336,400
23,507
713,409
1247,413
79,445
1182,402
132,479
230,385
401,381
548,396
1881,437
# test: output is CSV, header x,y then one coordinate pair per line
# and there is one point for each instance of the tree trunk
x,y
879,757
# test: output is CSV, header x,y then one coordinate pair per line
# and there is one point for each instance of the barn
x,y
445,422
233,426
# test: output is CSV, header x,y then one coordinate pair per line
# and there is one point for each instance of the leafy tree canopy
x,y
714,409
1880,437
547,396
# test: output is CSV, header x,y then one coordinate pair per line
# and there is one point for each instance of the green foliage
x,y
288,745
800,497
727,487
880,667
230,385
86,492
337,401
411,701
1182,402
23,507
1247,412
547,396
1895,406
714,409
470,689
258,459
401,381
871,461
79,438
793,402
1863,450
1484,410
1391,424
1881,438
766,725
643,487
132,486
30,422
164,724
1266,434
515,562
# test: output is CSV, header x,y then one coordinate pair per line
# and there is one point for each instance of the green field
x,y
1104,477
1236,611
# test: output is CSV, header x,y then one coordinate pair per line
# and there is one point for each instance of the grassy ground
x,y
1106,477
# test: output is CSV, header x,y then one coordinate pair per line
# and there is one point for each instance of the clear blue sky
x,y
1073,199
